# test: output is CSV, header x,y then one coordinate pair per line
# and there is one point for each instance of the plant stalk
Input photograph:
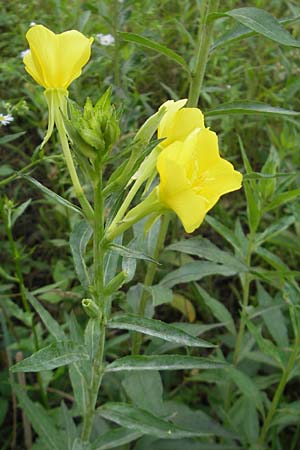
x,y
98,291
205,32
149,278
279,391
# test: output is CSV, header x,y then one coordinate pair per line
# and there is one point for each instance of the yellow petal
x,y
219,180
176,192
179,124
74,52
55,60
172,107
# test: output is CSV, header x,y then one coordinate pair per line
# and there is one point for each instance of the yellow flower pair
x,y
193,176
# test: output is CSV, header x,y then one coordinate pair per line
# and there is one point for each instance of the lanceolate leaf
x,y
55,197
203,248
131,253
142,421
40,421
263,23
146,42
51,324
115,438
164,362
55,355
195,271
156,328
241,32
79,239
247,107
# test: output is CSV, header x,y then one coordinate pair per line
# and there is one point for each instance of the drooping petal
x,y
172,108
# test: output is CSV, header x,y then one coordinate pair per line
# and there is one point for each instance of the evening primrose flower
x,y
54,61
193,176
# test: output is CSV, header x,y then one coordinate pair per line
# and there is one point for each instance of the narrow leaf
x,y
149,43
115,438
163,362
48,358
263,23
19,211
40,421
55,197
247,107
79,239
203,248
142,421
131,253
52,326
156,328
196,271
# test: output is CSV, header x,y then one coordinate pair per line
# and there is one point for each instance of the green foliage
x,y
219,339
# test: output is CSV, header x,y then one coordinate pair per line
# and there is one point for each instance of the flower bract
x,y
55,60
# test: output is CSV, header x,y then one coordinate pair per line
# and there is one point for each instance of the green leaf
x,y
145,390
282,199
248,107
79,385
225,232
131,253
203,248
159,294
142,421
11,137
146,42
52,326
218,310
70,427
263,23
79,444
241,32
265,345
274,229
196,271
79,239
48,358
164,362
52,195
274,319
115,438
246,386
92,335
40,420
156,328
19,211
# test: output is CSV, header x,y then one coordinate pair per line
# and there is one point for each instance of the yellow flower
x,y
193,176
178,122
55,60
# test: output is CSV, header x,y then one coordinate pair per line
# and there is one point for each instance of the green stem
x,y
98,250
278,393
116,43
87,209
149,278
203,44
246,287
20,280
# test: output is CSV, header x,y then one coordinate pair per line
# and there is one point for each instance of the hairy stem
x,y
98,290
202,49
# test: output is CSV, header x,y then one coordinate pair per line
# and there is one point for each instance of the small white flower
x,y
5,119
24,52
105,39
32,24
121,1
